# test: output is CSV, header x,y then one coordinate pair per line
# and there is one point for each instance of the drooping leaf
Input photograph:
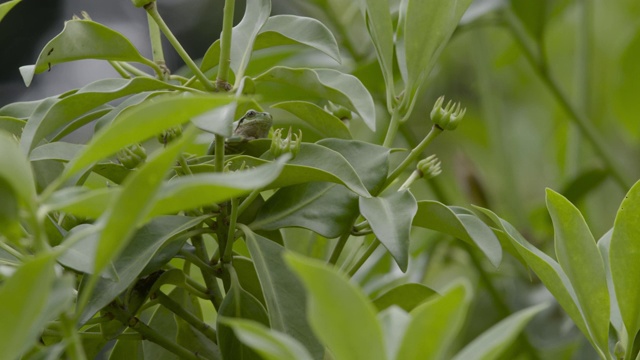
x,y
244,34
284,294
325,124
623,259
83,39
441,318
493,342
327,84
339,313
406,296
390,216
269,343
437,216
580,259
292,29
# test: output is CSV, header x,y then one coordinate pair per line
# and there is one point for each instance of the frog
x,y
253,125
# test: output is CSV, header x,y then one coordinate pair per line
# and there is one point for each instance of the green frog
x,y
253,125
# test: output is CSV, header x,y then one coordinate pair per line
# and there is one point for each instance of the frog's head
x,y
253,118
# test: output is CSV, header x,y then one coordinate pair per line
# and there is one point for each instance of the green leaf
x,y
24,109
395,322
24,297
623,259
190,192
248,277
580,259
12,125
145,243
269,343
437,216
423,31
145,120
390,216
340,314
83,39
405,296
547,269
15,169
327,209
327,84
61,151
378,19
238,304
533,15
6,7
134,202
52,114
284,294
440,318
292,29
604,246
244,34
327,125
624,103
493,342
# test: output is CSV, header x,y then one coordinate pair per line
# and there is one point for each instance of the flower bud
x,y
281,146
449,117
141,3
132,156
429,167
169,135
619,351
338,111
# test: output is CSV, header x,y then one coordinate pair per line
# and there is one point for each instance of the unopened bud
x,y
449,117
132,156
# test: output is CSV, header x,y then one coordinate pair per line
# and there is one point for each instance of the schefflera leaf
x,y
624,255
340,314
6,7
460,224
83,39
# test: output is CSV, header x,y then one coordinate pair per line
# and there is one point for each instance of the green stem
x,y
184,165
233,218
337,250
196,260
4,246
413,155
209,279
248,200
75,351
222,81
155,15
582,122
392,131
132,69
194,321
219,156
152,335
367,253
118,68
156,42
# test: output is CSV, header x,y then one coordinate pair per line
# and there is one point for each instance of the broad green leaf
x,y
161,318
340,314
145,243
327,84
134,202
327,209
547,269
23,109
437,216
6,7
370,161
390,216
10,225
284,294
623,259
61,151
406,296
324,123
188,336
248,277
15,169
269,343
79,122
292,29
493,342
604,245
436,324
244,34
305,168
24,297
83,39
126,105
423,31
12,125
53,114
394,322
580,259
190,192
238,304
143,121
378,19
80,255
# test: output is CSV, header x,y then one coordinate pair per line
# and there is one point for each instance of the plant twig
x,y
194,321
222,81
367,253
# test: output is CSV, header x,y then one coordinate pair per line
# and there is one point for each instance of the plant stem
x,y
152,335
248,200
209,279
222,81
155,15
413,155
118,68
75,351
194,321
582,122
184,165
337,250
219,156
156,42
367,253
228,249
132,69
392,131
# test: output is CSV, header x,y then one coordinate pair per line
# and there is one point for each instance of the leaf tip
x,y
27,73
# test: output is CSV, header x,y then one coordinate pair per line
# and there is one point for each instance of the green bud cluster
x,y
132,156
449,117
169,135
290,144
427,168
338,111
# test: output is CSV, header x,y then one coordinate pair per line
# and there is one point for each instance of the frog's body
x,y
253,125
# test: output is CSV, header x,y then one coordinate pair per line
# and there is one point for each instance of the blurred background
x,y
516,139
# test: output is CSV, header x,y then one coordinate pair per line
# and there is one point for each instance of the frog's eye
x,y
251,113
